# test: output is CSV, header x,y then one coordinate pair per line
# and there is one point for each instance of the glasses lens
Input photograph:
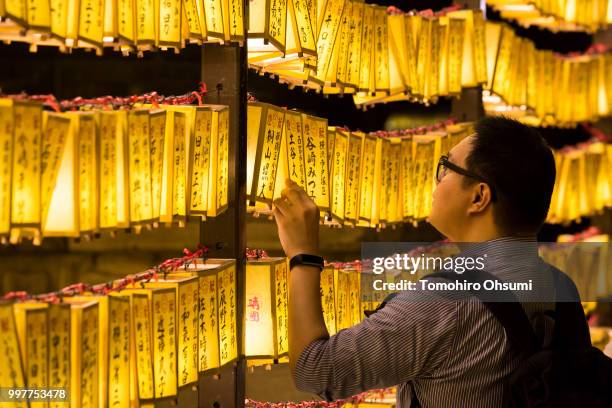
x,y
440,170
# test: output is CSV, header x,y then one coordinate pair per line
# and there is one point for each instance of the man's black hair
x,y
520,165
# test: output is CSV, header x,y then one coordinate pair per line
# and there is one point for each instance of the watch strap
x,y
308,260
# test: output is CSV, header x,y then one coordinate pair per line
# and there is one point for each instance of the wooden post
x,y
224,70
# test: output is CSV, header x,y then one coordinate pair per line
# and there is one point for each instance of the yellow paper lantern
x,y
226,295
266,309
218,182
294,141
113,174
327,33
366,59
139,164
352,178
56,129
316,157
31,321
328,299
376,188
264,141
11,375
142,344
381,51
16,10
170,18
367,173
342,299
62,216
84,358
25,193
268,27
59,12
6,167
300,29
91,22
354,295
59,349
200,161
338,172
406,170
353,58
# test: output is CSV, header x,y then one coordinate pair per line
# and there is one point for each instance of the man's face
x,y
449,213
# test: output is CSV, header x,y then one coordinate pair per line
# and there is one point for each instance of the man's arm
x,y
297,218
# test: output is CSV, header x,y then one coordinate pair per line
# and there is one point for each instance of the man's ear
x,y
480,199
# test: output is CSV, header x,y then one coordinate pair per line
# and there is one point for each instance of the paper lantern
x,y
352,178
113,347
406,171
170,16
59,12
11,375
226,284
425,152
351,76
145,33
316,158
295,147
200,161
342,299
367,178
328,298
25,192
160,334
62,215
59,348
264,141
354,295
6,167
207,271
139,165
366,59
268,27
266,308
142,345
157,145
398,53
300,29
329,26
381,51
384,184
338,172
114,197
376,188
187,295
91,22
394,209
218,191
31,321
84,358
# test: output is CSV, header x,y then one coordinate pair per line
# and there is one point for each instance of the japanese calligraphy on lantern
x,y
193,20
385,181
91,21
276,30
328,300
367,178
433,71
84,360
164,343
170,16
381,51
88,177
337,71
59,348
236,23
338,172
145,13
25,208
304,25
226,282
407,177
53,141
342,299
11,375
480,48
365,65
118,351
126,19
281,298
393,196
179,176
157,126
208,335
352,180
139,151
108,127
268,153
141,312
328,30
353,58
422,175
354,296
32,325
58,22
6,167
199,161
214,18
316,160
294,140
220,174
259,309
456,32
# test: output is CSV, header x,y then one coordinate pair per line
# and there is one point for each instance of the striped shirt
x,y
449,353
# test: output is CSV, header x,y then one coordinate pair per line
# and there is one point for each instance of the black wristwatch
x,y
305,259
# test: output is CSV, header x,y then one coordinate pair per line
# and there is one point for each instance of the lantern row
x,y
375,53
128,348
555,89
73,174
358,179
123,24
383,398
583,186
563,15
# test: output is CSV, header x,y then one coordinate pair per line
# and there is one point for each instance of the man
x,y
493,188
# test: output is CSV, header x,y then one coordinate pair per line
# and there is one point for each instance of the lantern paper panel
x,y
25,193
59,348
11,375
6,167
139,157
143,339
328,299
218,191
367,171
266,309
423,151
31,321
294,141
352,179
157,146
342,299
200,161
316,160
165,375
338,172
114,206
187,296
84,339
354,296
226,295
87,138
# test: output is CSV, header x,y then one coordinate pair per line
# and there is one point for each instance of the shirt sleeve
x,y
403,341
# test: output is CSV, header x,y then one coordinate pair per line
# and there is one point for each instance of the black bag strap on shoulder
x,y
504,306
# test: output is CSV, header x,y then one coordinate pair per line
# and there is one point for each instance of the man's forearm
x,y
306,322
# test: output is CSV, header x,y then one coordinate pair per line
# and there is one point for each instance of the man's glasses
x,y
444,165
